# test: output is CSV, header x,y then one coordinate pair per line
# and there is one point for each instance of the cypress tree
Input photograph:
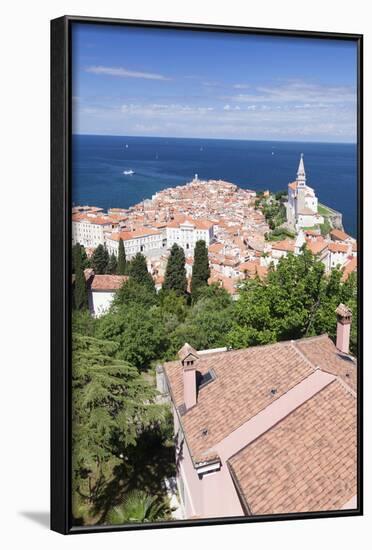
x,y
138,271
112,265
175,273
122,260
80,290
100,260
200,271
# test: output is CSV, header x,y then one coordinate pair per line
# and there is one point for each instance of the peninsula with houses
x,y
245,232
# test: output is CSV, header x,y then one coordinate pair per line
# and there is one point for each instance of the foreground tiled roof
x,y
322,353
249,380
307,462
243,387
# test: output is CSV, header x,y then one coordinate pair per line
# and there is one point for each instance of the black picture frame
x,y
61,520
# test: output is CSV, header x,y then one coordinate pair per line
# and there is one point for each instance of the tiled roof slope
x,y
242,388
307,462
244,383
322,353
108,282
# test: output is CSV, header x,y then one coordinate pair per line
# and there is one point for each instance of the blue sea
x,y
98,163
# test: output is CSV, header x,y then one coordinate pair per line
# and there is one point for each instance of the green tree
x,y
139,332
100,260
122,260
326,227
133,293
138,506
112,265
201,271
138,271
85,262
175,274
112,405
208,321
80,287
282,307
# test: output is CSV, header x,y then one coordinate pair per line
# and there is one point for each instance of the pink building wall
x,y
212,495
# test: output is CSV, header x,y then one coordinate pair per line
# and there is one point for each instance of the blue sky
x,y
160,82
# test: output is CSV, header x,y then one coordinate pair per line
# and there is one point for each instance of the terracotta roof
x,y
134,234
216,247
253,268
349,268
338,247
316,246
285,245
95,220
243,384
293,185
322,352
339,235
242,388
228,283
307,462
198,223
108,282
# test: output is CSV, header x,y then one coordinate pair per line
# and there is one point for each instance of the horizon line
x,y
218,139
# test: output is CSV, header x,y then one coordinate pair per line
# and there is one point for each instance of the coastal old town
x,y
232,223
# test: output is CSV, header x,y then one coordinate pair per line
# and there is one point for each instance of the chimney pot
x,y
189,356
344,316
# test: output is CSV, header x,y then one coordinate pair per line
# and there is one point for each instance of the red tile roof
x,y
339,235
108,282
316,246
349,268
307,462
338,247
134,234
285,245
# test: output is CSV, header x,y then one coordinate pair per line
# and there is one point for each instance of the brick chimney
x,y
189,356
344,315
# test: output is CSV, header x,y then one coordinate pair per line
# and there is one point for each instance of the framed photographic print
x,y
206,274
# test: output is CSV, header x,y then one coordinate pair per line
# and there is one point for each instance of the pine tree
x,y
112,265
138,271
122,260
112,406
200,271
80,290
175,274
100,260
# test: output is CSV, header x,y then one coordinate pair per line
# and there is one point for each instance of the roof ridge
x,y
276,423
346,386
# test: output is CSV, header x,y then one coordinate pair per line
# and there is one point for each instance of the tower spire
x,y
301,174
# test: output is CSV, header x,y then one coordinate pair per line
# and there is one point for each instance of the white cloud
x,y
124,73
298,91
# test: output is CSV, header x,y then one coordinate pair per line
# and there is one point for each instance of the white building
x,y
338,254
90,229
187,232
101,292
302,205
147,241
